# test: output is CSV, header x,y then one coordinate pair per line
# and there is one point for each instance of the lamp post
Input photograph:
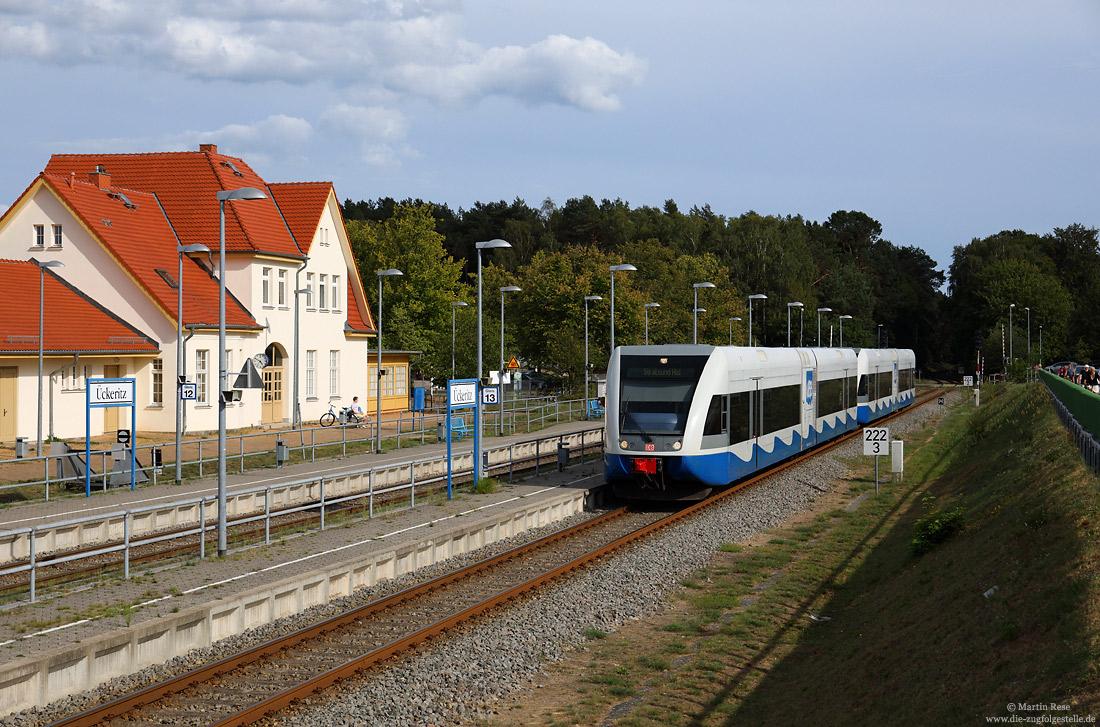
x,y
500,374
1010,354
695,309
296,418
755,296
180,250
1028,335
1040,346
735,318
41,315
789,306
879,342
454,306
842,318
484,245
378,400
243,193
819,312
647,307
593,298
624,268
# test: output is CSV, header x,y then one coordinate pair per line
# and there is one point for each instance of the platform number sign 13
x,y
876,440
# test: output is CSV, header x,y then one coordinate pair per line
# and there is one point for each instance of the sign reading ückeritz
x,y
110,392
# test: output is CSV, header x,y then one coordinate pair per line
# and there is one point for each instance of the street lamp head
x,y
845,317
652,305
758,296
593,297
624,268
703,285
459,304
735,318
1011,305
391,271
824,310
796,304
50,264
511,289
193,247
489,244
700,310
304,291
241,193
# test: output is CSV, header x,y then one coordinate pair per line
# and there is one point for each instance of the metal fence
x,y
305,444
1084,439
205,508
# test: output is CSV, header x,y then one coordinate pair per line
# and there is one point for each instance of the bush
x,y
486,486
935,528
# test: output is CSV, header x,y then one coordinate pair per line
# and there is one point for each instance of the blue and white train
x,y
684,419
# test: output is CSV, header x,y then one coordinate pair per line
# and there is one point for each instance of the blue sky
x,y
945,121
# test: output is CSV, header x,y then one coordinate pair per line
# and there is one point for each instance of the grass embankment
x,y
841,621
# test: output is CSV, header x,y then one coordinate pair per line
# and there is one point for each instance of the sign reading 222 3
x,y
876,440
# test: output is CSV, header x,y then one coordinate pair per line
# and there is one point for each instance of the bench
x,y
594,408
458,427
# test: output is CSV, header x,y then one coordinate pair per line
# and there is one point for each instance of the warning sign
x,y
513,364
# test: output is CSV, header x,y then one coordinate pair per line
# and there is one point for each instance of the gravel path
x,y
459,681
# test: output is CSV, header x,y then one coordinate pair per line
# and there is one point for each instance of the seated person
x,y
356,411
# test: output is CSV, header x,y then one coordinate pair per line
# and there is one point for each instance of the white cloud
x,y
377,130
405,46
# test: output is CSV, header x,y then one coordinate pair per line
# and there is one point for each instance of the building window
x,y
57,235
266,286
73,378
158,382
322,289
311,374
333,373
282,289
202,360
336,293
39,235
310,302
401,380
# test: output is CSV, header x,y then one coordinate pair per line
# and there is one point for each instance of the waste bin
x,y
563,455
282,452
21,447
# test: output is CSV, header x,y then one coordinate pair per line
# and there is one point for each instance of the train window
x,y
830,395
861,388
781,408
885,385
716,416
740,416
852,388
657,392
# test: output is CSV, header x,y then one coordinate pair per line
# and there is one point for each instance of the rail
x,y
319,493
261,449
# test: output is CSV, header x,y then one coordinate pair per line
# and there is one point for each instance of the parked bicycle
x,y
331,416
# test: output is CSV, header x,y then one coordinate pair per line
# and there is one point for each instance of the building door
x,y
273,386
110,414
9,375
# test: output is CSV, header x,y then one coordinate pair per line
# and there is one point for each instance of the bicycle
x,y
330,417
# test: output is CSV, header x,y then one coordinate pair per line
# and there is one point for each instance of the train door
x,y
756,420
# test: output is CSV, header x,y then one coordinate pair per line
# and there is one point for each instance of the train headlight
x,y
676,445
624,444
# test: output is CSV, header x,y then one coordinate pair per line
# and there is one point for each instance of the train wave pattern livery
x,y
684,419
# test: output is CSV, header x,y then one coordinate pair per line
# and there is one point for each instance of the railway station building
x,y
98,237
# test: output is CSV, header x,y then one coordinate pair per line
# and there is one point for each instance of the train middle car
x,y
683,420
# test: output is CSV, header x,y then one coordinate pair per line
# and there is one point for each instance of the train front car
x,y
887,381
650,391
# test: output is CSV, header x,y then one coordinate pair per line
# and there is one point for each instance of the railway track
x,y
243,688
67,568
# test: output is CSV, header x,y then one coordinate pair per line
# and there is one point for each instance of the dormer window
x,y
57,235
39,235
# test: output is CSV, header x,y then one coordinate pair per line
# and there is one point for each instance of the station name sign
x,y
463,394
110,393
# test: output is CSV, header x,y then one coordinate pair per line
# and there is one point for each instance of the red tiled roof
x,y
142,240
98,330
187,183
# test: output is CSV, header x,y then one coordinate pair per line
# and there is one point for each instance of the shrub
x,y
486,486
935,528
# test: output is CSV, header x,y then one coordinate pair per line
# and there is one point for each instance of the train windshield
x,y
656,393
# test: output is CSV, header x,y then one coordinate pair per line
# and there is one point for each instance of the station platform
x,y
65,644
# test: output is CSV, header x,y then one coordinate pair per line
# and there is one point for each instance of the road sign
x,y
876,440
123,436
489,395
512,364
189,391
968,381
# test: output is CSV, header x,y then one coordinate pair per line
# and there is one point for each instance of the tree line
x,y
559,255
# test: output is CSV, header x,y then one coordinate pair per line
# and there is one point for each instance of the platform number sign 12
x,y
876,440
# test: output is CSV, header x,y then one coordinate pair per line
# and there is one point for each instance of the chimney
x,y
72,179
209,148
100,177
